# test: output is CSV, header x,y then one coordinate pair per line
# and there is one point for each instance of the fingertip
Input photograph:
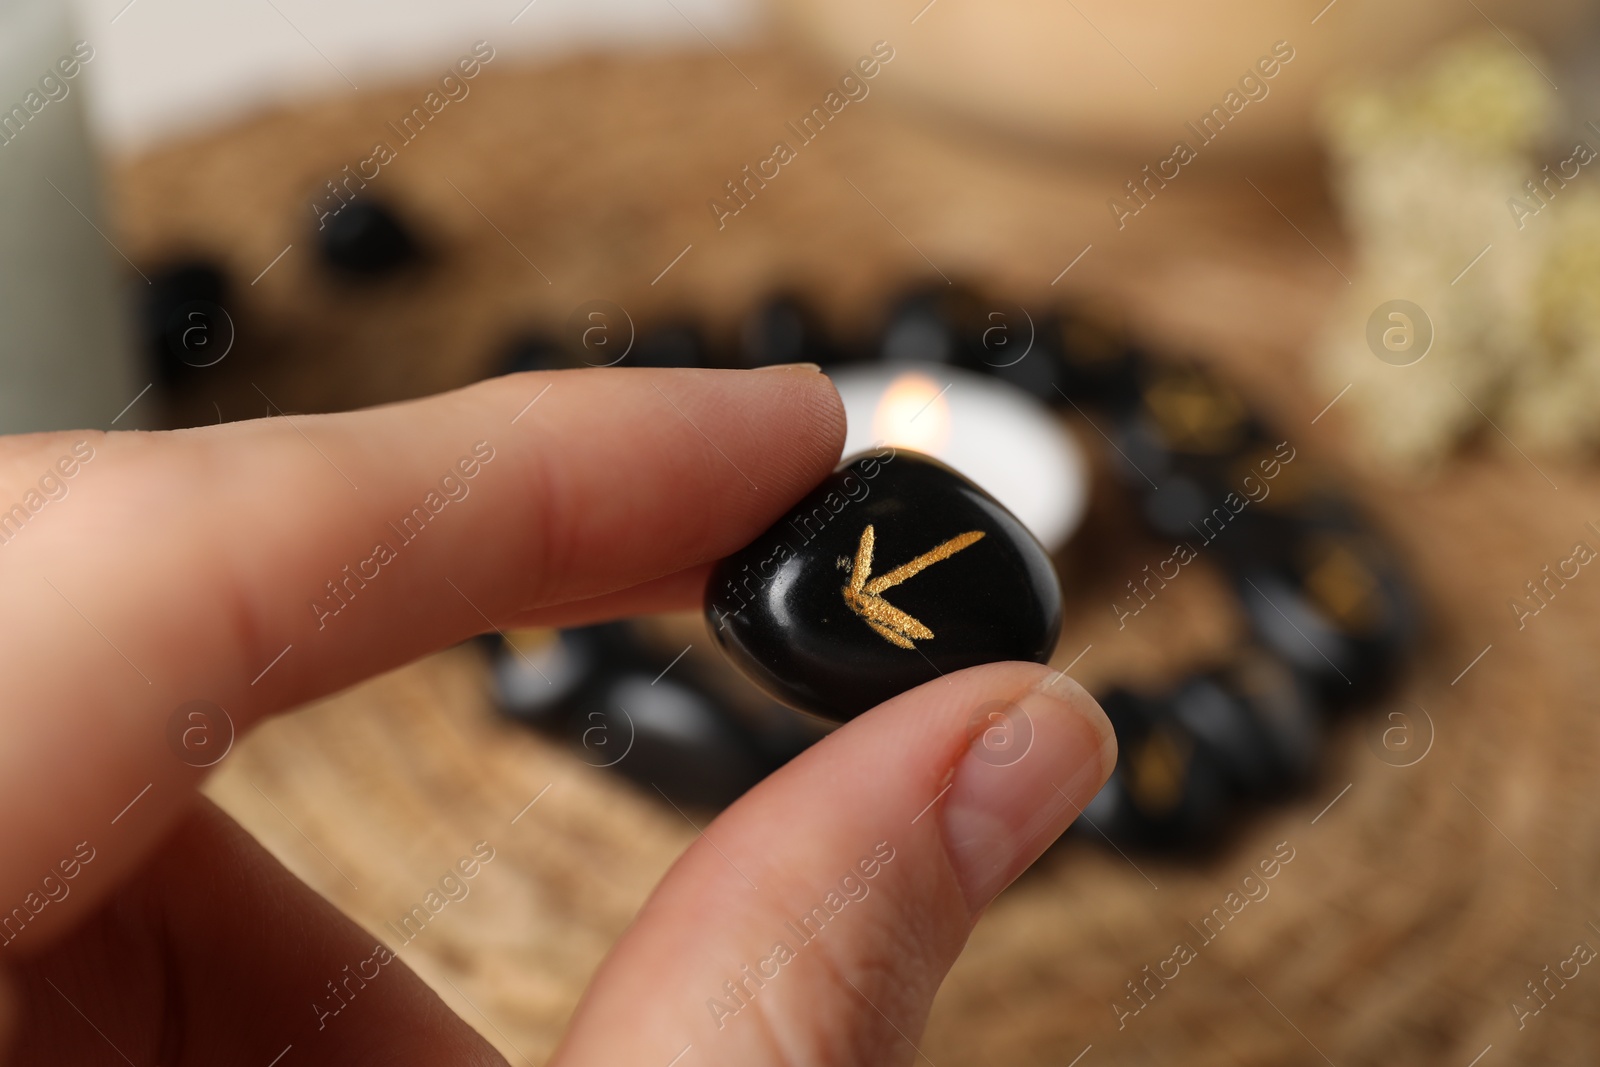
x,y
813,394
870,856
1030,766
1060,686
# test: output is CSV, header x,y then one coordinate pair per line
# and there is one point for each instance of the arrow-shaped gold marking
x,y
863,596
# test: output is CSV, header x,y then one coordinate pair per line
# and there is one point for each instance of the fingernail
x,y
1030,766
809,368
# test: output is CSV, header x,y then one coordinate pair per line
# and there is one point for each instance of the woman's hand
x,y
261,565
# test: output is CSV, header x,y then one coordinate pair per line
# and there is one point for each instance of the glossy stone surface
x,y
1257,722
893,571
1336,610
665,735
1168,791
604,694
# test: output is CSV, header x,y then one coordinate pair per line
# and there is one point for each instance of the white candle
x,y
1010,444
65,355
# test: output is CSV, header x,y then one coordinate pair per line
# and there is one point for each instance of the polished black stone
x,y
825,613
606,695
366,238
538,676
1169,792
667,736
1187,449
1337,609
1257,721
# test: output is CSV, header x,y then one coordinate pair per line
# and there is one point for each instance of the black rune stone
x,y
892,572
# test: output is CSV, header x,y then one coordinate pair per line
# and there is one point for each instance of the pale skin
x,y
178,565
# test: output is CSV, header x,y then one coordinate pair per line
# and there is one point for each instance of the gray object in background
x,y
66,358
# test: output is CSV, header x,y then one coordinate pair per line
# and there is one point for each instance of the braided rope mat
x,y
1415,909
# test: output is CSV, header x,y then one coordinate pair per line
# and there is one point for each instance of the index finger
x,y
260,565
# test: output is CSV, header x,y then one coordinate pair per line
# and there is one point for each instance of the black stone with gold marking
x,y
1169,790
893,571
896,570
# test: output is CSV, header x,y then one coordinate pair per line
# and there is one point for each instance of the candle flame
x,y
913,413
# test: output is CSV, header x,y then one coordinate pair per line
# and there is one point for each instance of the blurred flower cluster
x,y
1463,195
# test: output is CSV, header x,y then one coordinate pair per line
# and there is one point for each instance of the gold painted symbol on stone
x,y
863,596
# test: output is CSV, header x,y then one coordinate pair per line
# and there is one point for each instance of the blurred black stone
x,y
934,324
1168,792
1178,506
1256,722
531,352
538,675
1181,451
1177,496
781,733
1006,341
601,691
1204,471
669,346
1271,530
182,318
1287,713
366,239
1189,759
1099,366
1219,721
1195,413
1037,372
541,672
956,325
1338,611
784,330
667,736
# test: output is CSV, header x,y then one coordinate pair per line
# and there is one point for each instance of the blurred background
x,y
1117,254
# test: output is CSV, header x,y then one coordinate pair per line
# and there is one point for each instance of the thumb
x,y
815,919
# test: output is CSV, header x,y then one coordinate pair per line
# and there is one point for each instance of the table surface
x,y
1420,899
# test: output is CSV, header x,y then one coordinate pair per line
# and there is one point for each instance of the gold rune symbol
x,y
892,624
